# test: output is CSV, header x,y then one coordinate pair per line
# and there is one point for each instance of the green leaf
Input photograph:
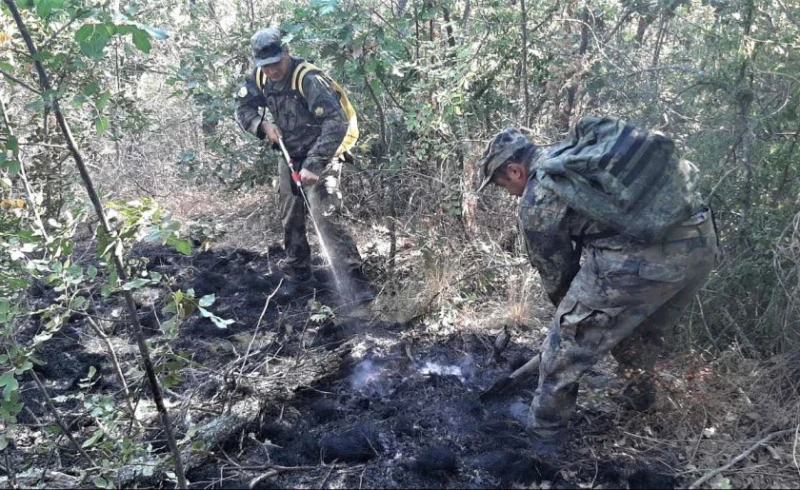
x,y
100,482
102,101
207,300
10,384
98,434
45,7
84,32
182,245
9,381
101,124
136,283
141,39
3,442
13,144
221,323
92,39
154,32
91,88
91,271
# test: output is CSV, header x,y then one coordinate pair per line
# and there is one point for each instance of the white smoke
x,y
364,374
435,368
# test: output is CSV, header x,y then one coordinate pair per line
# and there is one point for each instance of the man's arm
x,y
324,104
545,223
250,100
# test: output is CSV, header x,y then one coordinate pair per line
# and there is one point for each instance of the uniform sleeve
x,y
324,104
545,222
249,101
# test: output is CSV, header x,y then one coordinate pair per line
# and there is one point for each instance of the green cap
x,y
499,150
267,46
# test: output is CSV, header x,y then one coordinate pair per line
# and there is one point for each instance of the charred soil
x,y
396,406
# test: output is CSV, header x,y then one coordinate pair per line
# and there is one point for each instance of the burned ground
x,y
399,407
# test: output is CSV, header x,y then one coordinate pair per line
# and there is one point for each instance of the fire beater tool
x,y
511,381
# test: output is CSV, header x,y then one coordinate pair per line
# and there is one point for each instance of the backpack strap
x,y
299,76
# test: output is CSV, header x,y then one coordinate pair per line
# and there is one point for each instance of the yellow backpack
x,y
298,76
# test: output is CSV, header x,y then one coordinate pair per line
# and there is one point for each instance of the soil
x,y
402,412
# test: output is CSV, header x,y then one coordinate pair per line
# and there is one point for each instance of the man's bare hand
x,y
308,178
272,131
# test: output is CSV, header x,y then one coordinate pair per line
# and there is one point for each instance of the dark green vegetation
x,y
147,91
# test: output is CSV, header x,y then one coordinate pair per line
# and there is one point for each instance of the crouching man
x,y
614,194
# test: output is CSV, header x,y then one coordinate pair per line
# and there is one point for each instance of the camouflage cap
x,y
267,46
499,150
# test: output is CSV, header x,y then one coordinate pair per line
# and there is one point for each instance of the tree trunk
x,y
451,40
524,75
662,31
744,99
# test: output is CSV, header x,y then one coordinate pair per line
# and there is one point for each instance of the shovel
x,y
511,381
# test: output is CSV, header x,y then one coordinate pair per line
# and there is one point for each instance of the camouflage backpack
x,y
622,176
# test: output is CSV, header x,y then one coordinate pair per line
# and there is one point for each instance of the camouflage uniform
x,y
619,300
313,128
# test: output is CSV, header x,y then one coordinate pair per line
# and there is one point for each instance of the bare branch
x,y
20,82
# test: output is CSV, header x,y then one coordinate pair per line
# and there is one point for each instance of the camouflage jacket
x,y
555,235
313,127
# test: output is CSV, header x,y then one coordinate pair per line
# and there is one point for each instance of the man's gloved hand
x,y
272,131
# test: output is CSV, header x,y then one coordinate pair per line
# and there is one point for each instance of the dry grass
x,y
711,411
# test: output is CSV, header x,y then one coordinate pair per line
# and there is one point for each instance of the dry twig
x,y
732,463
255,331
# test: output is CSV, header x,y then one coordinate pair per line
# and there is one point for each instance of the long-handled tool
x,y
295,173
511,381
297,180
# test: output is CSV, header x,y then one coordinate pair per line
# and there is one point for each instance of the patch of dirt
x,y
401,412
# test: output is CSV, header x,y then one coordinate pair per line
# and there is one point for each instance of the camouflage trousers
x,y
620,302
325,199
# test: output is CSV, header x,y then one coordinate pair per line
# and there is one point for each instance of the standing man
x,y
305,109
641,267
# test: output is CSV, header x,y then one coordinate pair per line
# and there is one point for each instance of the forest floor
x,y
399,407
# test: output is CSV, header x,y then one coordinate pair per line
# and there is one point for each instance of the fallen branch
x,y
30,479
276,470
732,463
262,392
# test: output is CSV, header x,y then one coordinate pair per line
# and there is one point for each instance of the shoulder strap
x,y
261,78
299,76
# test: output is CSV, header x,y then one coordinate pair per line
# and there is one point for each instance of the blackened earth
x,y
402,412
